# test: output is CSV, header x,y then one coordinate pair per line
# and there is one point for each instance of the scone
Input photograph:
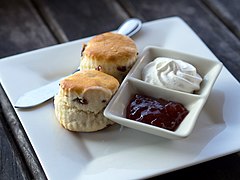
x,y
82,98
111,53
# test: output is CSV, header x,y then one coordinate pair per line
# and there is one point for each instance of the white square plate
x,y
120,152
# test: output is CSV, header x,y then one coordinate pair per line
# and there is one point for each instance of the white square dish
x,y
207,68
118,151
116,110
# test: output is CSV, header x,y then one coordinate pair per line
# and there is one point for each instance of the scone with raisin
x,y
82,98
111,53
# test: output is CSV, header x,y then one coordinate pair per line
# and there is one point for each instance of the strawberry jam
x,y
156,112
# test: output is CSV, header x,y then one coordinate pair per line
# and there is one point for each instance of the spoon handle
x,y
130,27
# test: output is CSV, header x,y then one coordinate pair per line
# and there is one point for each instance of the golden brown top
x,y
82,80
111,47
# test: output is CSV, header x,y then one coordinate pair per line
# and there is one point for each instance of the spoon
x,y
40,95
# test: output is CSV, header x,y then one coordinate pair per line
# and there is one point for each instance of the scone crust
x,y
111,48
81,100
85,79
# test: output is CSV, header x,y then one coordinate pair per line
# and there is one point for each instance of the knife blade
x,y
38,96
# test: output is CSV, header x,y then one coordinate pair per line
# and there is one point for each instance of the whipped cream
x,y
173,74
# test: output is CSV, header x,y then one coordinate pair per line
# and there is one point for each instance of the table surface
x,y
27,25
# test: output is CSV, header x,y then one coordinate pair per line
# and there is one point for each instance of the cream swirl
x,y
173,74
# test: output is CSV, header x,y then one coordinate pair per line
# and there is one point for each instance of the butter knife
x,y
40,95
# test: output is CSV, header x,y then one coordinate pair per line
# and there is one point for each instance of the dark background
x,y
26,25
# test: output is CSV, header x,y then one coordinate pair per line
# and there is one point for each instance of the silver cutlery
x,y
40,95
